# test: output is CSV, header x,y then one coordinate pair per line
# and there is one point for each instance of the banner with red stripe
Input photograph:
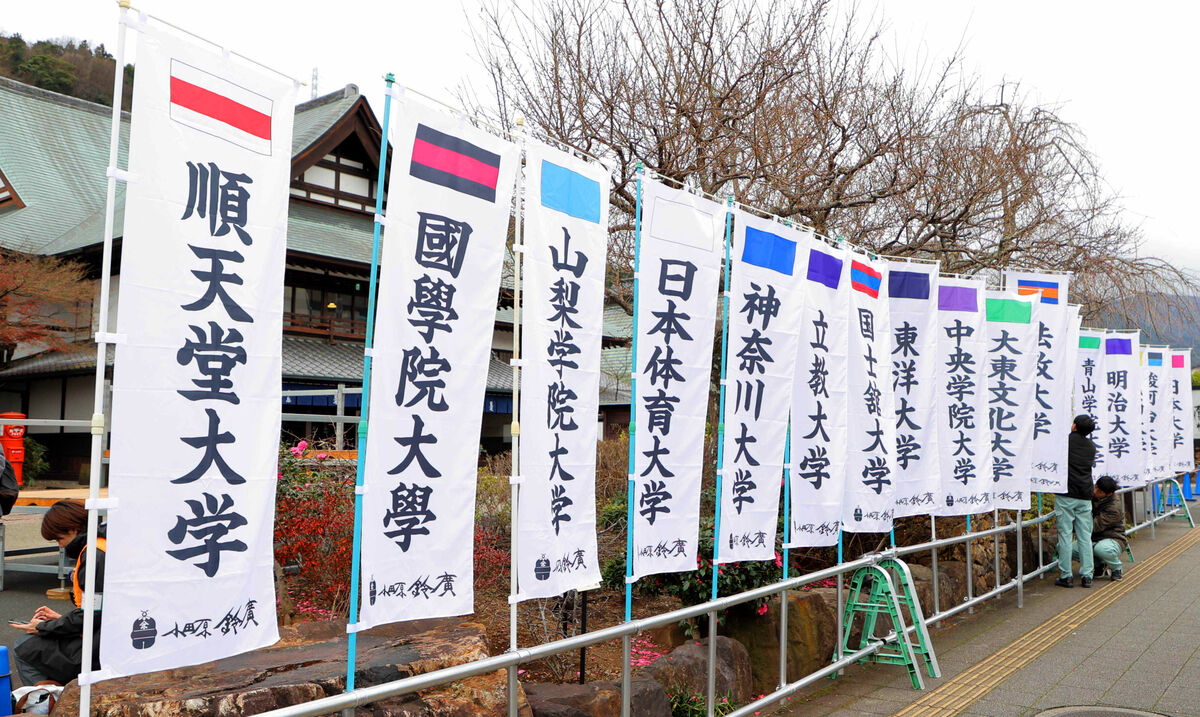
x,y
454,163
216,106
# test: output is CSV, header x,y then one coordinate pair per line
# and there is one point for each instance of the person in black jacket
x,y
1073,509
1108,528
53,650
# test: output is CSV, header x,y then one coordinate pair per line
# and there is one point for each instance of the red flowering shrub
x,y
314,530
492,559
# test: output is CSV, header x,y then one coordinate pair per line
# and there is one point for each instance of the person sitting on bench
x,y
53,649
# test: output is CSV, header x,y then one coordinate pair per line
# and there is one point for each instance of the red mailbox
x,y
13,441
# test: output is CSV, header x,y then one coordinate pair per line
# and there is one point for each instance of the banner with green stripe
x,y
1089,342
1009,311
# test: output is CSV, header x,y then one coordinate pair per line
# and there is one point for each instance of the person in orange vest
x,y
53,649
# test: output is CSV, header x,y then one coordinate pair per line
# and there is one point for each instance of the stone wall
x,y
309,663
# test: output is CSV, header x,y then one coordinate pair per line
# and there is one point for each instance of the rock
x,y
647,699
1029,548
554,709
685,667
479,695
812,634
597,699
920,572
924,593
952,582
309,663
829,597
954,573
668,636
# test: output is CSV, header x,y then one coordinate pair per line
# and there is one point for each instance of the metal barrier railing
x,y
1152,509
512,658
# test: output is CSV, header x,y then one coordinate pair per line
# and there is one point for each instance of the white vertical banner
x,y
1012,323
447,221
1089,388
1070,367
566,240
1122,397
964,453
912,303
1052,377
1156,412
1183,422
819,396
196,386
679,274
1071,360
764,321
868,506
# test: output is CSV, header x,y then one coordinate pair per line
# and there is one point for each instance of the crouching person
x,y
1108,528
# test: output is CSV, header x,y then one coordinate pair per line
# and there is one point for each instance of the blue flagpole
x,y
364,402
721,400
637,257
787,520
837,650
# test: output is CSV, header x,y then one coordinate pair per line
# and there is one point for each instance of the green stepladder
x,y
887,588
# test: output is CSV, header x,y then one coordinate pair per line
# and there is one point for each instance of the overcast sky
x,y
1125,75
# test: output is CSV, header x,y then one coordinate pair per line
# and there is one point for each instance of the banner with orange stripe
x,y
1046,288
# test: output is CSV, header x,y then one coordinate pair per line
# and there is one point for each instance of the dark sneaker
x,y
1085,581
1065,583
1115,576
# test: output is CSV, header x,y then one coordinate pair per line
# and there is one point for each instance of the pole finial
x,y
389,78
520,121
124,4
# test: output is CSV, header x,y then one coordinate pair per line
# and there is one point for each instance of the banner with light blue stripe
x,y
570,192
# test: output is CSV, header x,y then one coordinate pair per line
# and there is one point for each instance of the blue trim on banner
x,y
570,192
1118,347
860,279
770,251
908,285
824,268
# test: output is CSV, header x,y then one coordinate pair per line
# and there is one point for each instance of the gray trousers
x,y
29,674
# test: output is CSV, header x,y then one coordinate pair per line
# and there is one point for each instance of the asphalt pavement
x,y
1133,644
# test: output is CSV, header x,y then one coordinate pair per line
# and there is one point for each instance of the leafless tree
x,y
797,110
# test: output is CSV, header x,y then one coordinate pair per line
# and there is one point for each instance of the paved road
x,y
1142,651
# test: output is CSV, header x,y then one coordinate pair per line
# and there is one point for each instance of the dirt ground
x,y
539,622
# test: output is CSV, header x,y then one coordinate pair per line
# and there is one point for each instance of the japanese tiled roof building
x,y
53,157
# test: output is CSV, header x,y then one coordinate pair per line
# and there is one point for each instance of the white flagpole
x,y
103,338
514,489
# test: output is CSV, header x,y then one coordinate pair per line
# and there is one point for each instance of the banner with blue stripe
x,y
770,251
570,192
